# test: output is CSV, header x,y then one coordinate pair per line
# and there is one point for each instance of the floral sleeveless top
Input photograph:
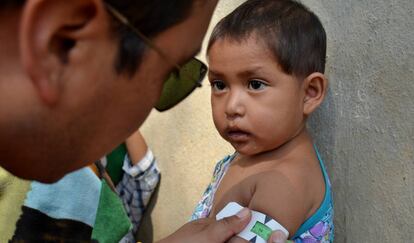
x,y
317,228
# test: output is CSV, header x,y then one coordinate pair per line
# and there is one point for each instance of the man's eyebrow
x,y
194,54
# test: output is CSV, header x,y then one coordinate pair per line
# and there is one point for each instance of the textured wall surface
x,y
364,129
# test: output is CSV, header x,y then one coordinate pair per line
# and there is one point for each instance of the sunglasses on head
x,y
181,82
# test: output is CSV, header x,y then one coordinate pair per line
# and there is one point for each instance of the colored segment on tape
x,y
259,228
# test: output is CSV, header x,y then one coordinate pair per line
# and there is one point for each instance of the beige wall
x,y
187,147
364,130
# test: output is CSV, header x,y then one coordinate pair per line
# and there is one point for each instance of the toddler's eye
x,y
256,84
218,85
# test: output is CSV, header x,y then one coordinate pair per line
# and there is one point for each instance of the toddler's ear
x,y
315,87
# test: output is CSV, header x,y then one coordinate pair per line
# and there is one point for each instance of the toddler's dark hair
x,y
293,34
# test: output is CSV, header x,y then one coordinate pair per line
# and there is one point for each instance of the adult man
x,y
68,68
77,77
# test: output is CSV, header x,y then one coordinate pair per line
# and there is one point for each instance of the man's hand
x,y
278,237
209,230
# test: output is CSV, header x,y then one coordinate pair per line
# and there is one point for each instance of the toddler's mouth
x,y
237,135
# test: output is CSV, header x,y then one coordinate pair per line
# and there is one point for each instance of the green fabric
x,y
112,222
12,194
115,161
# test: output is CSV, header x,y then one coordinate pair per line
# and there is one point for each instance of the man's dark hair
x,y
291,31
11,3
151,17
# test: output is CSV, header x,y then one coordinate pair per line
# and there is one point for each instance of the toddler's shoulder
x,y
281,194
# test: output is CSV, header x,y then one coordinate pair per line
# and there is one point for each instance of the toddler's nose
x,y
235,107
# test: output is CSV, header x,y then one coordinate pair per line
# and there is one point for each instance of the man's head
x,y
75,82
291,32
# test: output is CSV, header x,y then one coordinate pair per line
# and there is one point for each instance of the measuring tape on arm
x,y
259,228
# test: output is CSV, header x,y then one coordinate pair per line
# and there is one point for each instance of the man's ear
x,y
49,33
315,87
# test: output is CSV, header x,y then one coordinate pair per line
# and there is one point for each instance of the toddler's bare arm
x,y
282,198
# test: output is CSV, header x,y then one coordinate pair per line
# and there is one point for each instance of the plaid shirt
x,y
136,188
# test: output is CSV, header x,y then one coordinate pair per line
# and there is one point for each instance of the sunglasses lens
x,y
181,83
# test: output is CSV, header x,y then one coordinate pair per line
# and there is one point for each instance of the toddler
x,y
267,60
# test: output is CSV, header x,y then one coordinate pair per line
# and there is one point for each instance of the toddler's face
x,y
256,106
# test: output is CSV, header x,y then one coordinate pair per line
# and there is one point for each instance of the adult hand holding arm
x,y
278,237
208,230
